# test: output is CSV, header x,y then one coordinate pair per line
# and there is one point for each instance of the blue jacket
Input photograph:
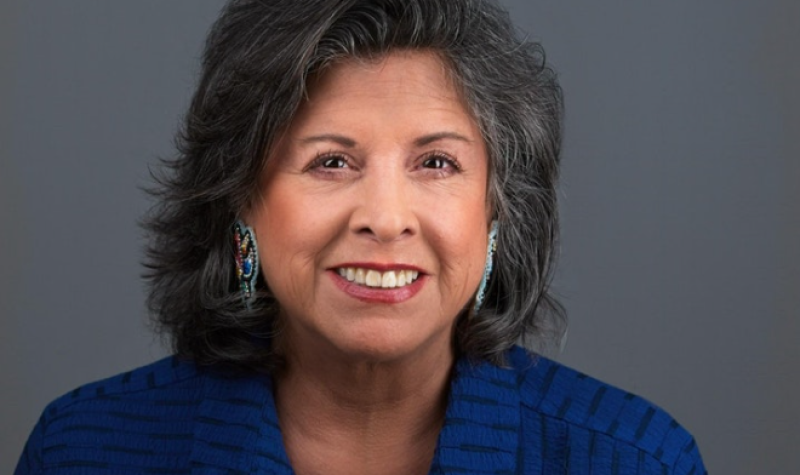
x,y
534,417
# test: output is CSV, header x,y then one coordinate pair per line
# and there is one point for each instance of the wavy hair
x,y
256,61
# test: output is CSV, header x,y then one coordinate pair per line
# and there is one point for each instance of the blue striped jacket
x,y
534,417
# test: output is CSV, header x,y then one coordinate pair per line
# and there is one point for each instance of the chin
x,y
388,343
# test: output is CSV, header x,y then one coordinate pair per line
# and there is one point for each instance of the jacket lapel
x,y
482,422
236,430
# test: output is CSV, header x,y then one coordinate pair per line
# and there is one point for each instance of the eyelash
x,y
317,164
439,155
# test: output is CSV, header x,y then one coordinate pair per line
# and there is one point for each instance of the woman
x,y
358,229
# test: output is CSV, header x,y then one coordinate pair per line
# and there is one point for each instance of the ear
x,y
247,215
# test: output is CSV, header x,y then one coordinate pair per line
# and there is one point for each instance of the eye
x,y
334,161
328,163
441,163
435,162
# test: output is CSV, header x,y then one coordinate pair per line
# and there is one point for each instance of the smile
x,y
389,279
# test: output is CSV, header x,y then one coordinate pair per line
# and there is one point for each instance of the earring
x,y
246,259
491,248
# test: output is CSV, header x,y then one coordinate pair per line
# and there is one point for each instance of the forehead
x,y
396,83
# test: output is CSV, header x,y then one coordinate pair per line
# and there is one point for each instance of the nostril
x,y
382,221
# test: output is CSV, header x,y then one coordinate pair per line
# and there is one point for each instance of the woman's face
x,y
372,218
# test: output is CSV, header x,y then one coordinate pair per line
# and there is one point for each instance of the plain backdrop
x,y
679,267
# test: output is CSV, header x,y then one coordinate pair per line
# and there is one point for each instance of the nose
x,y
385,212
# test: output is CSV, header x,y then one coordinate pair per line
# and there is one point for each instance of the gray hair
x,y
257,59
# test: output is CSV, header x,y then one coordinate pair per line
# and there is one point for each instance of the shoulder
x,y
169,379
142,407
161,418
594,421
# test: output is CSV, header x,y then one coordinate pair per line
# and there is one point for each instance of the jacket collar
x,y
482,422
236,429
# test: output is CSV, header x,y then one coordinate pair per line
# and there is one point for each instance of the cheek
x,y
281,238
461,248
459,231
291,236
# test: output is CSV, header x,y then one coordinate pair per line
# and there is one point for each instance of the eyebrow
x,y
419,142
429,139
340,139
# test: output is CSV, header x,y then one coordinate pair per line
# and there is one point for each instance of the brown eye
x,y
436,162
440,162
333,162
331,165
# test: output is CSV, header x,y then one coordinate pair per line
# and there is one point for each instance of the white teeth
x,y
372,278
389,280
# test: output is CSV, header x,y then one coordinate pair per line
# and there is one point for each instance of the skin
x,y
382,164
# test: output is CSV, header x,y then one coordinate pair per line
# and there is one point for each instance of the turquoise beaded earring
x,y
246,260
491,248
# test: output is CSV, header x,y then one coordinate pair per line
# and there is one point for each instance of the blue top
x,y
534,417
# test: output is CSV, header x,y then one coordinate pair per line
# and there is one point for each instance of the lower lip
x,y
377,294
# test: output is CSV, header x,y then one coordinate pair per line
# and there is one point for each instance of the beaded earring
x,y
246,259
491,248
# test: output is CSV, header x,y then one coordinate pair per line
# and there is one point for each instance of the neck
x,y
363,412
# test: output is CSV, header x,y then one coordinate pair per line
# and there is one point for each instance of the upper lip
x,y
381,267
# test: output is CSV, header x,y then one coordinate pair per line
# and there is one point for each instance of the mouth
x,y
388,279
378,283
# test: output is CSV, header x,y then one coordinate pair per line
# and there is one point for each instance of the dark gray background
x,y
680,266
